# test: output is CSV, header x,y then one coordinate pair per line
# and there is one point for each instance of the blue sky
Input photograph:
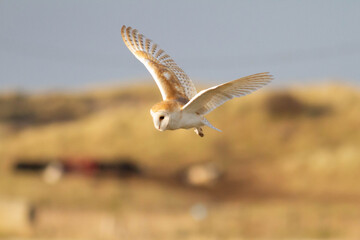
x,y
47,45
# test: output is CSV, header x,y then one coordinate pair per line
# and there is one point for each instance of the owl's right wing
x,y
169,77
211,98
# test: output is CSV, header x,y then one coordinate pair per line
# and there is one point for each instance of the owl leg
x,y
199,131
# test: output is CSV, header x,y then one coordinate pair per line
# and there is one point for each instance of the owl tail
x,y
207,123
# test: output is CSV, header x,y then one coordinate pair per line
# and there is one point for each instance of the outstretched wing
x,y
211,98
169,77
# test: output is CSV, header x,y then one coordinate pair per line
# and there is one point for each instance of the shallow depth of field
x,y
90,165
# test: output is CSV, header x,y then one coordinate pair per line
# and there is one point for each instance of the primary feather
x,y
211,98
156,61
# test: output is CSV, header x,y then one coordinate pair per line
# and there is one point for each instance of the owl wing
x,y
211,98
169,77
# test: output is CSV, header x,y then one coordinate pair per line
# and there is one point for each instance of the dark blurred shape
x,y
87,166
23,110
25,166
80,165
127,168
32,214
15,108
123,167
286,105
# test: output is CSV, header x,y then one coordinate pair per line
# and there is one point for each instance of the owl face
x,y
161,120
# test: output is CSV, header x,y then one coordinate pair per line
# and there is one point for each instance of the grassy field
x,y
290,162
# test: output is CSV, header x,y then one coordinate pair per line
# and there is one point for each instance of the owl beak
x,y
159,125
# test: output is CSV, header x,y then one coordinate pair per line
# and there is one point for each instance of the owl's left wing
x,y
169,77
211,98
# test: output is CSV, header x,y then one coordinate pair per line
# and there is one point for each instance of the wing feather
x,y
134,34
147,45
141,42
164,57
158,54
129,39
211,98
153,49
170,78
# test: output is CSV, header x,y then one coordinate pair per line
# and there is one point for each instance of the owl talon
x,y
199,132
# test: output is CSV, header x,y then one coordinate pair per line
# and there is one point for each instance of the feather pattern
x,y
182,106
170,78
211,98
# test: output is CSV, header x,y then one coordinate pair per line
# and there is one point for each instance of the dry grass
x,y
289,174
90,209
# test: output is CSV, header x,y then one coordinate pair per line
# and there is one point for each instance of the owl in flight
x,y
182,105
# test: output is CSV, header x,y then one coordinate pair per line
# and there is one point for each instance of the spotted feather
x,y
175,83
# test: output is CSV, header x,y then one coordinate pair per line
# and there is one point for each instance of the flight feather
x,y
211,98
172,81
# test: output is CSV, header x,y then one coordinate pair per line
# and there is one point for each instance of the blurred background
x,y
80,158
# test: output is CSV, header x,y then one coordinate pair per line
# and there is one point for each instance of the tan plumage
x,y
177,84
182,106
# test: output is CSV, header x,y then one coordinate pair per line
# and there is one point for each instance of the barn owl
x,y
182,105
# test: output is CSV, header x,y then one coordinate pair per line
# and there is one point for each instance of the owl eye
x,y
162,117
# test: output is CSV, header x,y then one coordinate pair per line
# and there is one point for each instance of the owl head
x,y
161,119
163,112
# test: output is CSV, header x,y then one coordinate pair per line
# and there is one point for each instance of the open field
x,y
289,162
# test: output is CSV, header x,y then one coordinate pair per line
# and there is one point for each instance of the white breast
x,y
184,120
